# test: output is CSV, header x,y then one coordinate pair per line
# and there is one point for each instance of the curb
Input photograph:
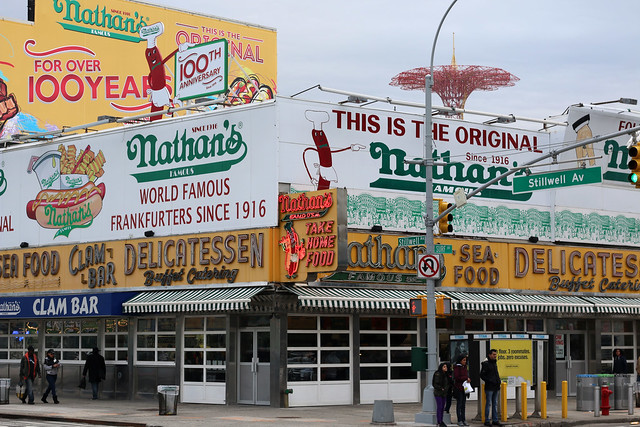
x,y
72,420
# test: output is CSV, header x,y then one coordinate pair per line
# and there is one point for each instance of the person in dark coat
x,y
97,370
619,362
460,375
449,373
489,374
51,365
441,387
29,371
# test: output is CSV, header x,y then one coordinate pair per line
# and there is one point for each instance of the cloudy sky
x,y
564,52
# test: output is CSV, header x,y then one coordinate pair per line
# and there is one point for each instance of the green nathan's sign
x,y
566,178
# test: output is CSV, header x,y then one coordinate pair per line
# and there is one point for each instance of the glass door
x,y
571,360
254,369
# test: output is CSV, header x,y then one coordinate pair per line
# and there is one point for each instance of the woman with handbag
x,y
460,375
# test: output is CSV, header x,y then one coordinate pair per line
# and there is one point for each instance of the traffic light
x,y
445,222
634,163
418,306
443,306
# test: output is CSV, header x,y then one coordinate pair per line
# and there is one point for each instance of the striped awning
x,y
495,302
614,305
236,298
354,298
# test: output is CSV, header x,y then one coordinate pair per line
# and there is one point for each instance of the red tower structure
x,y
454,83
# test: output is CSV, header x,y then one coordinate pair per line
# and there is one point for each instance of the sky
x,y
563,51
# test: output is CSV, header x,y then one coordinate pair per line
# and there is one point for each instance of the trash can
x,y
621,384
585,386
5,386
168,399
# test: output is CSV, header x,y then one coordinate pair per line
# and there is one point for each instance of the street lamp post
x,y
428,414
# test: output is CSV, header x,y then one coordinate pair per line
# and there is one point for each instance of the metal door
x,y
571,360
253,372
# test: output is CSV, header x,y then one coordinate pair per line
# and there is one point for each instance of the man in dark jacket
x,y
619,362
97,370
29,371
489,374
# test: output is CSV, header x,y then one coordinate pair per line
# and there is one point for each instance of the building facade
x,y
232,253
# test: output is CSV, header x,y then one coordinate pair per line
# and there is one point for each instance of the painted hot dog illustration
x,y
69,196
84,203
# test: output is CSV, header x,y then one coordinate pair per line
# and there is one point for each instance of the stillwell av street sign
x,y
565,178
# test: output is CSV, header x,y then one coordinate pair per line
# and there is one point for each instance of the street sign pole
x,y
428,414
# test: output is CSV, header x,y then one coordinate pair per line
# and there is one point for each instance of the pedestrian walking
x,y
51,365
638,370
449,373
460,375
441,387
97,370
29,371
489,374
619,362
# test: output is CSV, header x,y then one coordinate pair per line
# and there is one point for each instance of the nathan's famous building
x,y
250,250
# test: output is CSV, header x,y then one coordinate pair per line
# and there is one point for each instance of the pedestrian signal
x,y
418,307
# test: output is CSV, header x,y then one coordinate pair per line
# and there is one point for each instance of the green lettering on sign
x,y
566,178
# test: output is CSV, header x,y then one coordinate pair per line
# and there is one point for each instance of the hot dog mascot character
x,y
158,92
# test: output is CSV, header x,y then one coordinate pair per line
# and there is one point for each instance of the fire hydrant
x,y
604,398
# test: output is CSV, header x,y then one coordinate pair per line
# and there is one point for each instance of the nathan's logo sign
x,y
408,177
69,197
312,232
10,308
217,151
101,21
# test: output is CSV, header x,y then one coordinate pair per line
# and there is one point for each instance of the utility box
x,y
418,358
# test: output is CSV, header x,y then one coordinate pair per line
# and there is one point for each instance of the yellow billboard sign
x,y
200,259
81,59
478,264
515,359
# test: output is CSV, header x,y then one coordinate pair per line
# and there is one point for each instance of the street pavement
x,y
145,413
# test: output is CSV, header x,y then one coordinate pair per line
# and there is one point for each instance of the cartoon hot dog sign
x,y
69,197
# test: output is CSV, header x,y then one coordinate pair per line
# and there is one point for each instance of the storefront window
x,y
495,325
15,337
473,325
571,325
616,334
205,349
535,325
72,338
385,348
116,339
319,348
156,339
515,325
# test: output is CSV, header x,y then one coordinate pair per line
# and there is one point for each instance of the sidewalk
x,y
144,413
